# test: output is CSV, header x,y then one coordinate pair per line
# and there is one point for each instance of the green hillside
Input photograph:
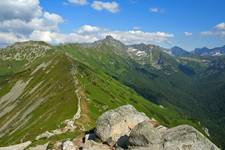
x,y
42,95
191,85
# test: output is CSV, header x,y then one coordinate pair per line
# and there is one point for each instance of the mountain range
x,y
43,88
217,51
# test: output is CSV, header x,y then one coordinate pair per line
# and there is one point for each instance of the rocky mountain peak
x,y
178,51
111,40
109,37
28,50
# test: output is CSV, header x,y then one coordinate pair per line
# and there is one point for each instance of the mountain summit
x,y
177,51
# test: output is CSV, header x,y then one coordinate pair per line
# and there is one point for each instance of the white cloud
x,y
218,30
188,33
48,36
88,29
133,37
88,33
19,9
78,2
19,23
109,6
220,26
20,18
6,38
49,21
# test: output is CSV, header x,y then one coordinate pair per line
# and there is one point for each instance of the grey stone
x,y
185,137
146,136
116,123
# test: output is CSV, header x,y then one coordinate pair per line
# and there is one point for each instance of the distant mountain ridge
x,y
204,51
217,51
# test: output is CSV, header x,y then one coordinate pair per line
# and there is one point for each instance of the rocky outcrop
x,y
126,128
145,135
115,125
186,137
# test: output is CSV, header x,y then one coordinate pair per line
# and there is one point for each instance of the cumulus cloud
x,y
11,38
88,33
48,21
37,24
88,29
133,37
218,30
187,33
108,6
20,18
19,9
78,2
220,26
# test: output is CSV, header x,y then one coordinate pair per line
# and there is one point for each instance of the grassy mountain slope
x,y
49,90
184,84
37,99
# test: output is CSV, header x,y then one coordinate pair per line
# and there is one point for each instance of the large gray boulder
x,y
126,128
185,137
115,125
145,136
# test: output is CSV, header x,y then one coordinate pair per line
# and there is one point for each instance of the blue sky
x,y
185,23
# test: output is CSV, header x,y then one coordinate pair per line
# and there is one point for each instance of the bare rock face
x,y
127,128
185,137
144,135
116,124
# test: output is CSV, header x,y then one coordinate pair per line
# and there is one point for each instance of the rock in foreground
x,y
186,137
145,135
115,125
126,128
